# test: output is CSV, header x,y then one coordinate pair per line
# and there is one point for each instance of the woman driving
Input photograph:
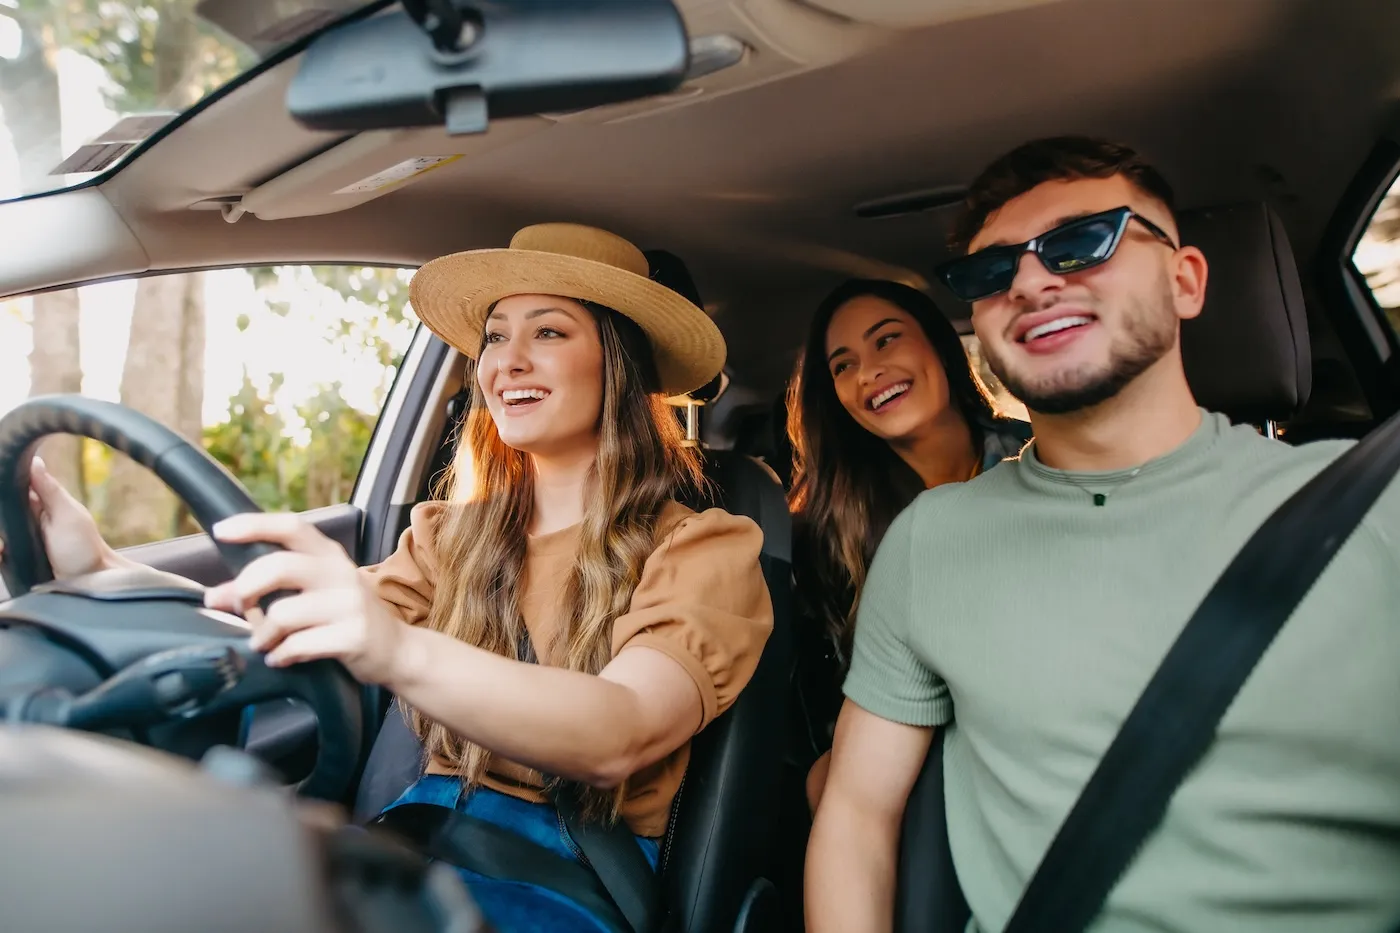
x,y
559,613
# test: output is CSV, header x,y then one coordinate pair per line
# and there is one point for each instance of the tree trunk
x,y
163,378
190,420
177,64
54,368
30,101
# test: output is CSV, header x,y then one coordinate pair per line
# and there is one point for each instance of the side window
x,y
278,372
1005,402
1377,256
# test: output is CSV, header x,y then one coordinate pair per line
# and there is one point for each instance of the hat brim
x,y
453,294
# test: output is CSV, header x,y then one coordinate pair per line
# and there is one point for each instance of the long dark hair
x,y
848,484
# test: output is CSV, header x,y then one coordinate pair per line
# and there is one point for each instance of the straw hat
x,y
453,295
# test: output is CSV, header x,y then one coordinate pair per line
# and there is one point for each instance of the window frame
x,y
1371,343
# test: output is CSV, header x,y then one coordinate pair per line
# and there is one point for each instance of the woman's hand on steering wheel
x,y
71,538
335,614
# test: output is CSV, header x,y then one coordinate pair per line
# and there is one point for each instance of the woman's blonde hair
x,y
641,465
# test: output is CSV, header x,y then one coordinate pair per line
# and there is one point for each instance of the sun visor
x,y
370,165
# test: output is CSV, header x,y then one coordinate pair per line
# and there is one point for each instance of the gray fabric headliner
x,y
1275,100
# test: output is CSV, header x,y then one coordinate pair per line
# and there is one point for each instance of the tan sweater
x,y
701,601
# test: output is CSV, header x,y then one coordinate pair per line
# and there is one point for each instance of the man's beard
x,y
1151,332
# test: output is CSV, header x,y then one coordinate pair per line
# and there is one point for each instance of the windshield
x,y
83,82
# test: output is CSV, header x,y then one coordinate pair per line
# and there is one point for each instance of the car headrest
x,y
706,394
671,271
1247,354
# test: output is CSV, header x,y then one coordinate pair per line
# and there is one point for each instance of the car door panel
x,y
195,557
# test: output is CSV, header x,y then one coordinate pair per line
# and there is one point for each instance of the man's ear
x,y
1189,273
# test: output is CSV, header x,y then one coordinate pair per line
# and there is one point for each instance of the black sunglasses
x,y
1079,244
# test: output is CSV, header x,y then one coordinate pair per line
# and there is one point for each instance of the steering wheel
x,y
175,672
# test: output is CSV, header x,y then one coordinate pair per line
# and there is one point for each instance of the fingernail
x,y
220,596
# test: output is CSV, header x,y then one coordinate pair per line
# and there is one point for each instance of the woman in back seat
x,y
560,614
885,404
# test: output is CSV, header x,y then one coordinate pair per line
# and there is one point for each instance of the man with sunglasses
x,y
1026,609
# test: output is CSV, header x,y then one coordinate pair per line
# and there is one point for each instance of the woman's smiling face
x,y
884,369
541,372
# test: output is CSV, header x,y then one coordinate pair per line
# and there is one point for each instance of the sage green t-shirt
x,y
1029,619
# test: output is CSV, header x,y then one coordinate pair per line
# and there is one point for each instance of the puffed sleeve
x,y
407,578
703,602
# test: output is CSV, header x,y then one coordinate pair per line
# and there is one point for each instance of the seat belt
x,y
618,860
1175,719
617,874
497,852
609,848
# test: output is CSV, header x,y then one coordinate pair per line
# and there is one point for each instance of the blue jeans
x,y
516,906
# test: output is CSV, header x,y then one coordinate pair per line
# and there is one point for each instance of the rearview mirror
x,y
492,58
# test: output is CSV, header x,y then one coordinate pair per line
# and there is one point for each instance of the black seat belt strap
x,y
610,848
1175,720
613,852
497,852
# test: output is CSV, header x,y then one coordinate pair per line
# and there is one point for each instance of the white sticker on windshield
x,y
394,174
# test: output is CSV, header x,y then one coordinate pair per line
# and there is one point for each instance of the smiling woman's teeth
x,y
1055,326
888,394
523,395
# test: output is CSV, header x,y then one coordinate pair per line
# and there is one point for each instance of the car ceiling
x,y
754,181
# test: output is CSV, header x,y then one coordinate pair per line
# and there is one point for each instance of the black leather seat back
x,y
928,898
395,761
722,833
761,431
1247,355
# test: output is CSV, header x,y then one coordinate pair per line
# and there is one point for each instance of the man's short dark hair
x,y
1061,158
